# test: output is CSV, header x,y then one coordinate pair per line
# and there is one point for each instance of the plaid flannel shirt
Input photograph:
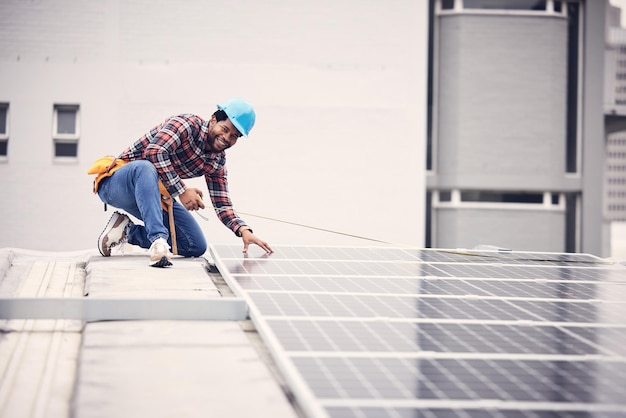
x,y
177,149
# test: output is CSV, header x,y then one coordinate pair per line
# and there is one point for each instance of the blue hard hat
x,y
241,114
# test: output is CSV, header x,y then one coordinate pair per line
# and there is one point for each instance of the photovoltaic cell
x,y
530,288
503,412
396,332
322,268
411,337
462,379
368,306
495,270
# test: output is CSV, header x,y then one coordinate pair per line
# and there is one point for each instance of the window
x,y
428,238
4,130
499,4
558,6
572,222
573,62
508,197
501,199
524,6
65,130
445,196
431,82
447,4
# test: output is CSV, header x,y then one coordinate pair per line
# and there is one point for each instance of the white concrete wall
x,y
516,229
502,101
339,88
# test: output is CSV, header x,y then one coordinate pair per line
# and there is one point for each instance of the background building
x,y
615,110
516,145
448,123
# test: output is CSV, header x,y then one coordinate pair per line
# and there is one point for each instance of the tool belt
x,y
105,167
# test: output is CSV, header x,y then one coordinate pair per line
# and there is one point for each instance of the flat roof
x,y
104,368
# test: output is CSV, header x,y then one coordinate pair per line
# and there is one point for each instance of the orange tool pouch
x,y
105,167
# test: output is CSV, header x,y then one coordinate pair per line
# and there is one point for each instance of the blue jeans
x,y
134,188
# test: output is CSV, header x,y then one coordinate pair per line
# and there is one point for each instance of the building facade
x,y
340,111
615,109
516,141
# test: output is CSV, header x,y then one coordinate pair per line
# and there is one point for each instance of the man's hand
x,y
249,238
191,199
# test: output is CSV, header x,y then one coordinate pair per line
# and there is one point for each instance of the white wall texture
x,y
339,88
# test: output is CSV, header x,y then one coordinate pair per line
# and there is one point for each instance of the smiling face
x,y
222,135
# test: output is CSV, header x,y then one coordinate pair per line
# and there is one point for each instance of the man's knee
x,y
198,247
194,251
144,167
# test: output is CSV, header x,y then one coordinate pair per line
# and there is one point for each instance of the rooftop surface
x,y
155,368
313,331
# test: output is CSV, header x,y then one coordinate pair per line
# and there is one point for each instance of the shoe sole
x,y
163,262
113,223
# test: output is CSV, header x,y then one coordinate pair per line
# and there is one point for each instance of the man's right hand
x,y
191,199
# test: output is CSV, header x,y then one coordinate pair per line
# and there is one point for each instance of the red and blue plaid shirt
x,y
177,149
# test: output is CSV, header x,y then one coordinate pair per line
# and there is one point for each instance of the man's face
x,y
222,135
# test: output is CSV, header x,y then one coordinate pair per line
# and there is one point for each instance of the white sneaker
x,y
160,253
114,233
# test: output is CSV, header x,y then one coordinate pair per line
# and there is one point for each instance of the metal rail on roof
x,y
118,309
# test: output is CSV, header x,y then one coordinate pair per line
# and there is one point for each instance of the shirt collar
x,y
204,129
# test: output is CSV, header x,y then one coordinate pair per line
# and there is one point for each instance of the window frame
x,y
454,198
458,6
65,138
4,136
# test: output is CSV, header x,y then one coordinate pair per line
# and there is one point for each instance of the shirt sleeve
x,y
164,140
217,185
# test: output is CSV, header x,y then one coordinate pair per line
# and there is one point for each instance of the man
x,y
182,147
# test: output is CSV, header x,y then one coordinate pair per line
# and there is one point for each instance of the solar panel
x,y
395,332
